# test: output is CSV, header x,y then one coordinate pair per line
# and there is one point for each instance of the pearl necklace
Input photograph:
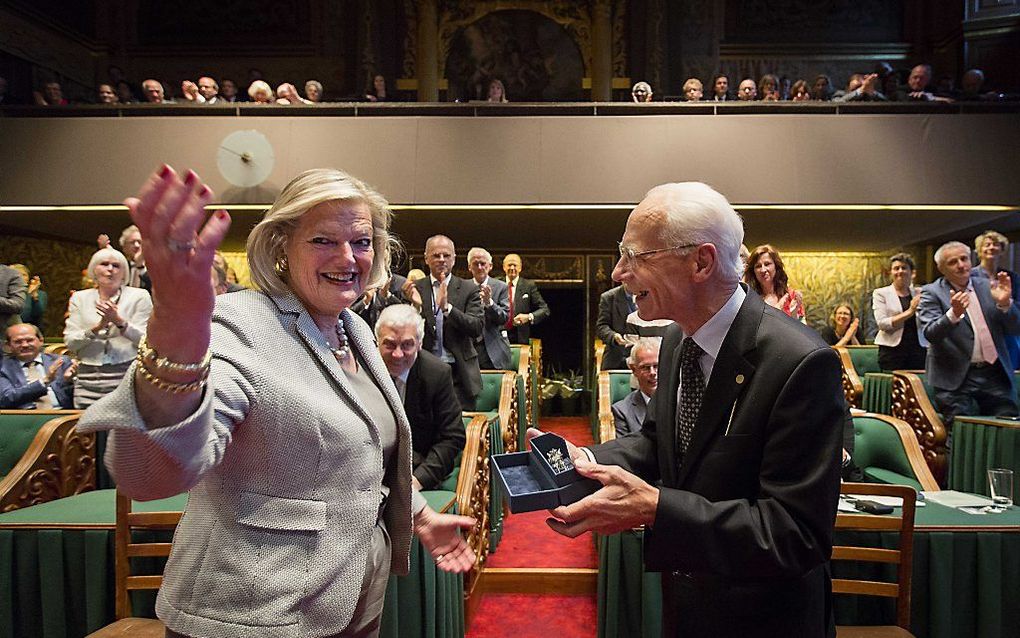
x,y
343,348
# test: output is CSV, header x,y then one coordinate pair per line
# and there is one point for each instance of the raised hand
x,y
411,294
103,241
440,535
441,295
1002,290
179,246
485,293
960,300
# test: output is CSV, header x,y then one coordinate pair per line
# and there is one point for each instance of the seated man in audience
x,y
615,305
527,307
453,316
747,91
205,92
860,88
493,346
228,90
425,386
965,320
918,87
153,91
629,412
721,88
313,91
131,246
31,379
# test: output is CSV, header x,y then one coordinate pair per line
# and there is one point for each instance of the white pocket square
x,y
524,296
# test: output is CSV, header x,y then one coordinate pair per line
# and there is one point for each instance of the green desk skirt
x,y
876,395
966,580
978,446
58,582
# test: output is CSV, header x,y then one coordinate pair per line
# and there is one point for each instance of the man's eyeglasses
x,y
631,256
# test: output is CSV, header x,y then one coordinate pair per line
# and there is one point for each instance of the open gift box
x,y
542,478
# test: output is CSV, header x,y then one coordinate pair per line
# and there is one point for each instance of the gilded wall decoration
x,y
827,279
59,265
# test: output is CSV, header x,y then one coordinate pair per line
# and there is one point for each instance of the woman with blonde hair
x,y
991,248
104,326
260,92
273,408
766,275
497,92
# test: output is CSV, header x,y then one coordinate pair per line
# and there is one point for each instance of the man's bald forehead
x,y
439,239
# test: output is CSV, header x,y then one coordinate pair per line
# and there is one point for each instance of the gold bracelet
x,y
152,359
170,386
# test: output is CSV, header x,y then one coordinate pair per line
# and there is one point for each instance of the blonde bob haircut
x,y
104,254
995,236
306,191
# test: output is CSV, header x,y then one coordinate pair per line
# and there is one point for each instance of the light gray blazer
x,y
284,475
885,303
629,413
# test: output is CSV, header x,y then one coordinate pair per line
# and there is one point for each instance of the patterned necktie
x,y
692,389
33,372
438,349
982,335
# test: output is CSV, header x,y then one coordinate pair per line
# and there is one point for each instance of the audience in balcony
x,y
51,95
425,385
991,251
260,92
379,91
966,321
972,88
641,93
768,88
287,93
861,88
693,90
843,328
766,274
643,361
153,92
125,94
497,92
104,326
747,91
313,91
821,88
901,344
919,87
30,379
721,88
206,91
800,92
107,94
228,91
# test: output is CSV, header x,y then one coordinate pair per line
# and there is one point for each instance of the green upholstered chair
x,y
613,386
43,458
857,361
877,394
887,451
912,401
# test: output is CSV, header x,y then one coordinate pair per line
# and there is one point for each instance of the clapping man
x,y
32,379
493,346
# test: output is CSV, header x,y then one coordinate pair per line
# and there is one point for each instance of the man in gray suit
x,y
493,346
965,320
453,318
629,412
12,296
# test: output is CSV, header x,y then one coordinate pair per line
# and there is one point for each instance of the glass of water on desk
x,y
1000,484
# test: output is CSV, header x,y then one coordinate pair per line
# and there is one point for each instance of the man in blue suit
x,y
966,321
493,346
31,379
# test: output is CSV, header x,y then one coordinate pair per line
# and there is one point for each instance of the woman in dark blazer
x,y
901,345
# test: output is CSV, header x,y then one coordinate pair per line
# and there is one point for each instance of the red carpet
x,y
528,542
534,616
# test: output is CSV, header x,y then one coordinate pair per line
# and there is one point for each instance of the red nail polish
x,y
164,172
205,192
221,215
190,178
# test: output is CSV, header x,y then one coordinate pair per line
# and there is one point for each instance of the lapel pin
x,y
740,379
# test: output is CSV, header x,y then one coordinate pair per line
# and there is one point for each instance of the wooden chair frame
x,y
912,449
902,557
910,403
473,494
58,462
853,386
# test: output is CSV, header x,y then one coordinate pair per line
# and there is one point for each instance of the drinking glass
x,y
1000,484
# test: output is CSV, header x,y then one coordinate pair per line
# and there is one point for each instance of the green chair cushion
x,y
619,386
515,357
865,359
488,398
879,452
16,434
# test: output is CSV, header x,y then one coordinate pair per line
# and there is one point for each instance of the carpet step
x,y
566,581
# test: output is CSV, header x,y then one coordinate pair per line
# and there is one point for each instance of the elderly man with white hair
x,y
425,386
965,320
735,473
643,361
493,346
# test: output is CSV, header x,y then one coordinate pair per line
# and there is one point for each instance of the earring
x,y
281,265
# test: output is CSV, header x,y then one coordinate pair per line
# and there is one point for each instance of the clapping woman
x,y
766,274
104,326
274,408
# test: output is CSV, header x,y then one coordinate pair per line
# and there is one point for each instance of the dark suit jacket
x,y
16,393
629,413
527,299
460,329
437,431
496,345
613,310
950,345
370,312
746,524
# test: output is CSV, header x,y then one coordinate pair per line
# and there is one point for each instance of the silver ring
x,y
179,246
